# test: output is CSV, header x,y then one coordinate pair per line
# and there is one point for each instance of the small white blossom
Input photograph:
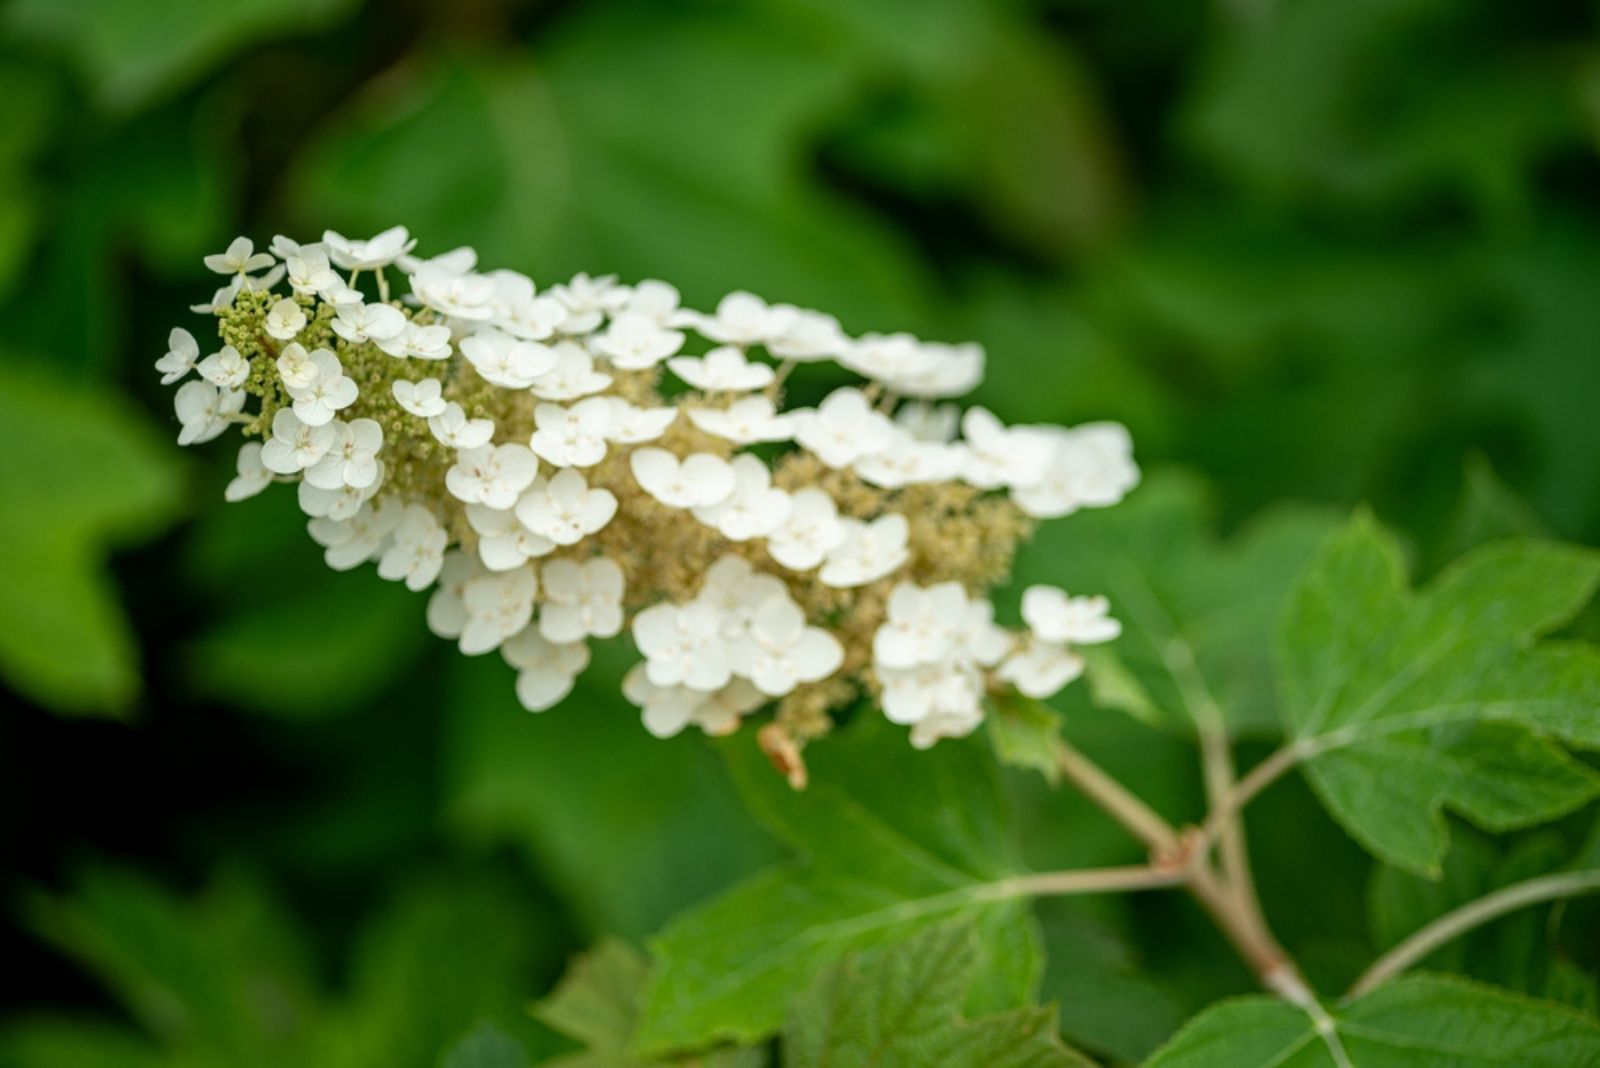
x,y
241,258
572,437
868,552
780,651
452,427
581,600
921,626
724,368
588,301
683,645
546,670
204,411
737,591
349,543
636,342
698,481
357,323
182,352
446,613
498,605
572,377
745,319
843,428
565,509
253,476
504,541
285,319
519,312
998,455
308,271
504,361
1089,466
296,367
494,475
906,461
330,392
654,300
937,700
809,337
458,294
746,421
424,342
630,425
225,368
955,370
416,552
461,259
424,399
371,254
295,444
754,509
1055,617
888,358
1040,669
341,502
352,458
810,531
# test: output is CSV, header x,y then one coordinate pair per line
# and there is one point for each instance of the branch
x,y
1087,881
1118,802
1473,914
1259,778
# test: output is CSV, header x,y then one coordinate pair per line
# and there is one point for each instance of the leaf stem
x,y
1263,775
1473,914
1116,800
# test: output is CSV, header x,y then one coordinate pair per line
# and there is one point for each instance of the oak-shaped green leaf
x,y
890,841
1406,703
80,473
1419,1021
903,1008
597,1004
1197,612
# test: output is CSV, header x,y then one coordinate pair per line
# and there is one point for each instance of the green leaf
x,y
486,1047
131,52
1024,734
1418,1021
69,1042
218,976
891,841
598,1004
1405,704
81,473
903,1007
1197,614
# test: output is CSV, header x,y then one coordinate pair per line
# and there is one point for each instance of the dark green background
x,y
1323,251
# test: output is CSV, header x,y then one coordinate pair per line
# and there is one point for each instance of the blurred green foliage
x,y
1315,252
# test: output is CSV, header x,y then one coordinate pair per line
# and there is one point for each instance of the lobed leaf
x,y
903,1007
890,841
1419,1021
1406,704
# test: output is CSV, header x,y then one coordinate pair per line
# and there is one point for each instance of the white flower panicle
x,y
596,460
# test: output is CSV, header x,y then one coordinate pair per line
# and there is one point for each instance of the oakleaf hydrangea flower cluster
x,y
594,459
